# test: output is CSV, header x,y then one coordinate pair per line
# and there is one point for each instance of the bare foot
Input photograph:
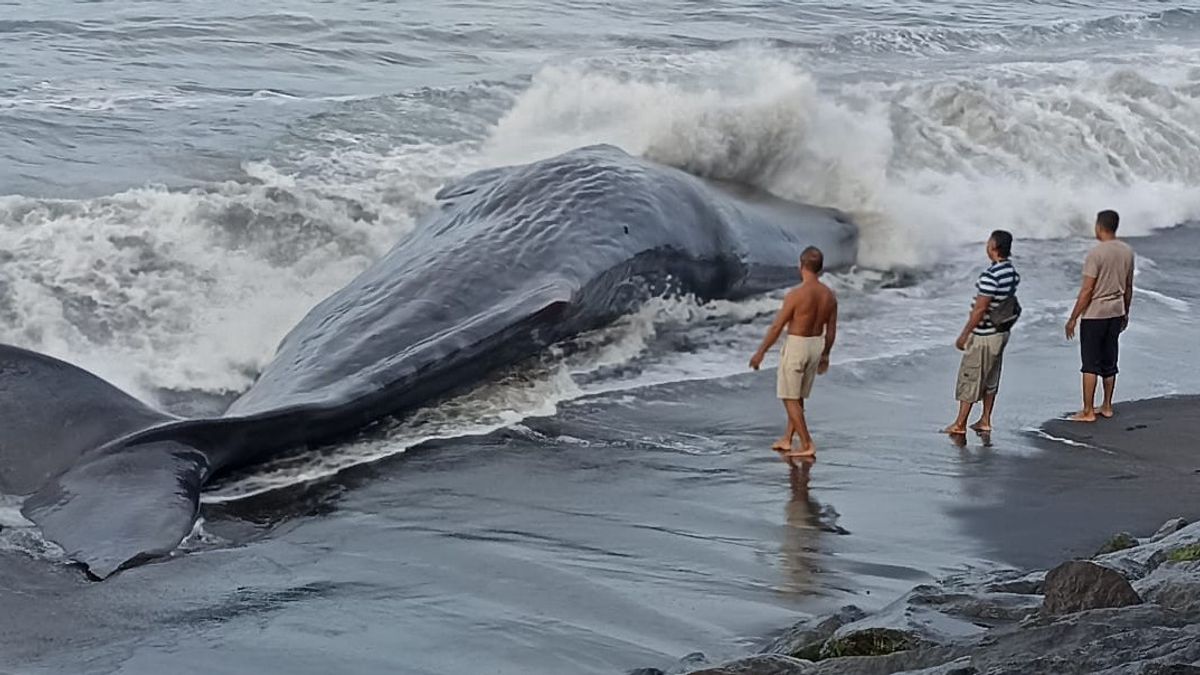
x,y
1106,413
782,445
955,430
1082,416
981,427
803,453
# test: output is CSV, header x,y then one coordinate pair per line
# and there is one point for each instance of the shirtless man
x,y
809,314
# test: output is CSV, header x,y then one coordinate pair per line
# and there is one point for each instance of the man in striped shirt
x,y
982,341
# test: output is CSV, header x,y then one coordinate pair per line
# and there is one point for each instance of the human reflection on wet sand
x,y
803,523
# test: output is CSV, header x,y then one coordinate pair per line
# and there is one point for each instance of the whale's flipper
x,y
71,439
52,412
125,504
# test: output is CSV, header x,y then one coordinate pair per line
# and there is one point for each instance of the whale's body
x,y
512,260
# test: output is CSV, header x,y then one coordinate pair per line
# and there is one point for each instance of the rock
x,y
1111,641
1168,528
1184,553
1139,561
763,664
1118,542
926,615
647,671
924,659
869,642
804,639
1170,669
960,666
1175,586
1080,585
1028,584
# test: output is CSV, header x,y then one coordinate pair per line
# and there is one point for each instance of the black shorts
x,y
1098,343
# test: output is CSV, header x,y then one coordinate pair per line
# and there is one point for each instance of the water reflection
x,y
802,523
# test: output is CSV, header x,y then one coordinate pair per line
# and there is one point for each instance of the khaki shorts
x,y
979,372
798,366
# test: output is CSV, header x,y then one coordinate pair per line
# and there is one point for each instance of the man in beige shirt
x,y
1103,304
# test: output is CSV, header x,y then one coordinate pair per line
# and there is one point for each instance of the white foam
x,y
1177,304
923,165
160,289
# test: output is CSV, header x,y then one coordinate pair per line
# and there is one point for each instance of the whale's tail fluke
x,y
99,484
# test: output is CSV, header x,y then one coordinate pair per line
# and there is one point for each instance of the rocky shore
x,y
1132,608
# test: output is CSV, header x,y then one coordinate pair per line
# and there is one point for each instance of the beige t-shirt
x,y
1111,263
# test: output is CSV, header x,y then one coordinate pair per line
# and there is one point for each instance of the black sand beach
x,y
1082,617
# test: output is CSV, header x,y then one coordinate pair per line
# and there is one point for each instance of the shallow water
x,y
183,183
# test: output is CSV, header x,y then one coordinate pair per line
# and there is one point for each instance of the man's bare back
x,y
811,306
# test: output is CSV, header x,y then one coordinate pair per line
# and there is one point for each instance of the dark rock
x,y
1080,585
804,639
647,671
929,659
1118,542
869,642
1170,669
693,661
1109,641
764,664
1168,528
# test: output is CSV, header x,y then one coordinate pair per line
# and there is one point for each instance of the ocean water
x,y
181,182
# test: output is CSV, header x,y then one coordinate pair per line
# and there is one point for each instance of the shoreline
x,y
1132,607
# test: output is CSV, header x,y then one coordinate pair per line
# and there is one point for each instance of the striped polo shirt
x,y
997,282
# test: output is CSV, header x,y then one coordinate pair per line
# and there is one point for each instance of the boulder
x,y
1175,586
1169,528
1079,585
763,664
926,615
869,642
1118,542
804,639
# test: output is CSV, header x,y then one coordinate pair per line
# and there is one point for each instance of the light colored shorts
x,y
798,366
979,372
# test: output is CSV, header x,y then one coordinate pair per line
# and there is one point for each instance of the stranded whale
x,y
512,260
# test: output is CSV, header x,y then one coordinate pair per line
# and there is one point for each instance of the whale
x,y
508,261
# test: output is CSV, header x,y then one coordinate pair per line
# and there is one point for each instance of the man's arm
x,y
830,338
1081,304
982,302
1128,298
781,322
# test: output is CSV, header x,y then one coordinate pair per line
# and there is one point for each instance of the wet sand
x,y
1164,432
